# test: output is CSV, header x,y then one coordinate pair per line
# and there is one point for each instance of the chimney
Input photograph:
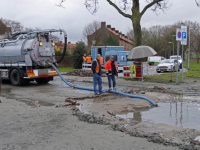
x,y
117,31
123,35
113,29
103,24
69,42
60,41
108,26
120,33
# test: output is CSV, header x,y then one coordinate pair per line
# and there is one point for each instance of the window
x,y
99,51
108,57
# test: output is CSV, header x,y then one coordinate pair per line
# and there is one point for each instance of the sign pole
x,y
182,60
189,51
178,47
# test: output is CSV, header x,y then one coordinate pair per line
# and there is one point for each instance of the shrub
x,y
78,53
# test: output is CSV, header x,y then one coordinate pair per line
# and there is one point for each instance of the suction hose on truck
x,y
113,91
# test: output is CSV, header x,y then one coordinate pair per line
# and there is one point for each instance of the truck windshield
x,y
108,57
128,59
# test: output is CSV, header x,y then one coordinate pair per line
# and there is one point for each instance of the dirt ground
x,y
35,117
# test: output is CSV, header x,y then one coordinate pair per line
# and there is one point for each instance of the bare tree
x,y
130,34
195,39
92,29
15,25
132,6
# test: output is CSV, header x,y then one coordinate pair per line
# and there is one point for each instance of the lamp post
x,y
173,46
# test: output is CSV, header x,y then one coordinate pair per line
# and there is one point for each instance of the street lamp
x,y
173,46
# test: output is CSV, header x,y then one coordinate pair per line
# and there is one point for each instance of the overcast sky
x,y
45,14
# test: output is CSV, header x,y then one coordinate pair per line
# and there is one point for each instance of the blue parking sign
x,y
184,35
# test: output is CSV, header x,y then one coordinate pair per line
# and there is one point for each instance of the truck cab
x,y
103,49
120,57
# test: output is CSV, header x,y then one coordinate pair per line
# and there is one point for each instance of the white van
x,y
179,59
152,60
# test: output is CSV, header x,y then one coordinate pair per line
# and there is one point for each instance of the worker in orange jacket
x,y
96,72
84,60
89,59
111,71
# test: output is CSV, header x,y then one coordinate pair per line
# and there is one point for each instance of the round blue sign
x,y
179,34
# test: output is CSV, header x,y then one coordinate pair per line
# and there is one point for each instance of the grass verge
x,y
65,69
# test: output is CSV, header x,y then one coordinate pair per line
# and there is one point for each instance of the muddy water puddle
x,y
182,114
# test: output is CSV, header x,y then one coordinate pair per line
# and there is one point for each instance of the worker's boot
x,y
114,88
109,90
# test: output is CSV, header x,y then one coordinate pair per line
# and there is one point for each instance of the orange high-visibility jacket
x,y
108,67
89,60
84,59
97,67
101,60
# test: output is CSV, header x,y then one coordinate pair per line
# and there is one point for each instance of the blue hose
x,y
113,91
135,96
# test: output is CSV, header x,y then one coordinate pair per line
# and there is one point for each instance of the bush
x,y
78,53
59,53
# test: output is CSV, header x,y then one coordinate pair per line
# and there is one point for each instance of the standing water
x,y
182,114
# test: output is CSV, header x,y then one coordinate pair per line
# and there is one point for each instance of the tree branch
x,y
149,5
60,5
197,2
118,9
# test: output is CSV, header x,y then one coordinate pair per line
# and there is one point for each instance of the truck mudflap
x,y
40,73
36,77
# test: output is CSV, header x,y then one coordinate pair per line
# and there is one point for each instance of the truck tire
x,y
43,80
16,78
158,71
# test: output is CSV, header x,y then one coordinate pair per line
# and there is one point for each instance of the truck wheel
x,y
158,71
152,63
15,77
43,80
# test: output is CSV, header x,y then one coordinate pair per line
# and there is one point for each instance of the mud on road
x,y
36,117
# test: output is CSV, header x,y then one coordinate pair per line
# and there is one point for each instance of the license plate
x,y
163,69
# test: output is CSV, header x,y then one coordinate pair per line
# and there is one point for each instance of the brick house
x,y
4,30
70,46
100,35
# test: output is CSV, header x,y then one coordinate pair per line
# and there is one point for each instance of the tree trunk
x,y
136,17
137,32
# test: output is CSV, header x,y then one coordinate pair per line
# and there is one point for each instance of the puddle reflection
x,y
186,115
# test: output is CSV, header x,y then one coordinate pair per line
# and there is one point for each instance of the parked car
x,y
179,59
168,65
152,60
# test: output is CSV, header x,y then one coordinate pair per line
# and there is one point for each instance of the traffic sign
x,y
184,35
178,34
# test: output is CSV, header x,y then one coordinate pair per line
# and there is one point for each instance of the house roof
x,y
120,36
69,45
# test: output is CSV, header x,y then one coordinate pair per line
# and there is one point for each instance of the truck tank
x,y
33,48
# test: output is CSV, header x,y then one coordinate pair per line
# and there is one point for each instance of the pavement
x,y
35,117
